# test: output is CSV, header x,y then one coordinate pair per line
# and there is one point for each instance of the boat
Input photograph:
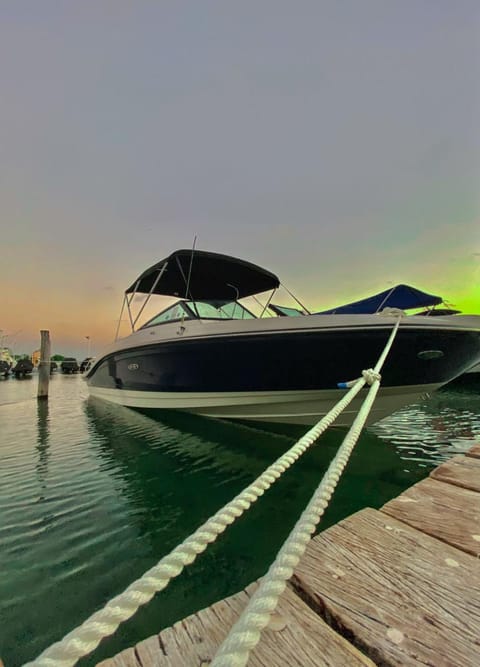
x,y
7,361
207,353
85,364
69,365
23,368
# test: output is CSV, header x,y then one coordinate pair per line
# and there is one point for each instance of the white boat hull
x,y
291,407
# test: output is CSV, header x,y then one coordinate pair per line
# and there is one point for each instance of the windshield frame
x,y
191,312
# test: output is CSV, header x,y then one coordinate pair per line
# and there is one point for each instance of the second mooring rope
x,y
84,639
246,632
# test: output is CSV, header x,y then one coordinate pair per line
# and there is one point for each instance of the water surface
x,y
92,495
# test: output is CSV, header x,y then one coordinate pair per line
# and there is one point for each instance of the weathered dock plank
x,y
126,658
474,451
462,471
393,592
402,584
296,636
447,512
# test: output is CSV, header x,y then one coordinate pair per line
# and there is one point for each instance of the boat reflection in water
x,y
202,463
93,494
174,470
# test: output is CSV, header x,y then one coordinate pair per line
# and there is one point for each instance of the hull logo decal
x,y
133,367
430,354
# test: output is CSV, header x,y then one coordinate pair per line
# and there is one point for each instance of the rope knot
x,y
370,376
392,311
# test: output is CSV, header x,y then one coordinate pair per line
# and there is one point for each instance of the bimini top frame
x,y
404,297
199,275
202,275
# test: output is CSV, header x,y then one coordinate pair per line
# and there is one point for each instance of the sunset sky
x,y
335,143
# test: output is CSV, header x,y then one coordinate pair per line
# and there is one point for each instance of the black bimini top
x,y
212,276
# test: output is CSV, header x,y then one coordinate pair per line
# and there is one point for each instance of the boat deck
x,y
395,587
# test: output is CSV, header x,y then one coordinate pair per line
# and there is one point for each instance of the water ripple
x,y
92,495
433,431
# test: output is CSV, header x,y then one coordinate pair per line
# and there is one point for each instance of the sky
x,y
335,142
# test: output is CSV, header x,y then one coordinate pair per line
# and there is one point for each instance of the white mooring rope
x,y
84,639
245,633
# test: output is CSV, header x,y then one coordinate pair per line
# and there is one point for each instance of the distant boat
x,y
208,354
85,364
23,368
69,365
6,361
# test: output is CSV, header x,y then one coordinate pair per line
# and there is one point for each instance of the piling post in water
x,y
44,365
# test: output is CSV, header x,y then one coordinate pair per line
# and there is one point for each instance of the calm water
x,y
92,495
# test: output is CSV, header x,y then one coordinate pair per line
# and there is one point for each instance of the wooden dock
x,y
394,587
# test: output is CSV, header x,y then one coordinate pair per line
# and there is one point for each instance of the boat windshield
x,y
218,310
284,311
204,310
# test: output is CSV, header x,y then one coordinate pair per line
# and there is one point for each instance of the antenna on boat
x,y
190,267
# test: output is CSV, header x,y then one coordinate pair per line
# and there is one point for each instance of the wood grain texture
x,y
474,451
44,366
402,596
461,471
296,636
126,658
405,598
445,511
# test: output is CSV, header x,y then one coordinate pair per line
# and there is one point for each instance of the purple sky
x,y
335,143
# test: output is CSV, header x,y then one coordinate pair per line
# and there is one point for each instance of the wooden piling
x,y
44,365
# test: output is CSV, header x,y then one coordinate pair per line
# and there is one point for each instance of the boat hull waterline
x,y
297,407
229,370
